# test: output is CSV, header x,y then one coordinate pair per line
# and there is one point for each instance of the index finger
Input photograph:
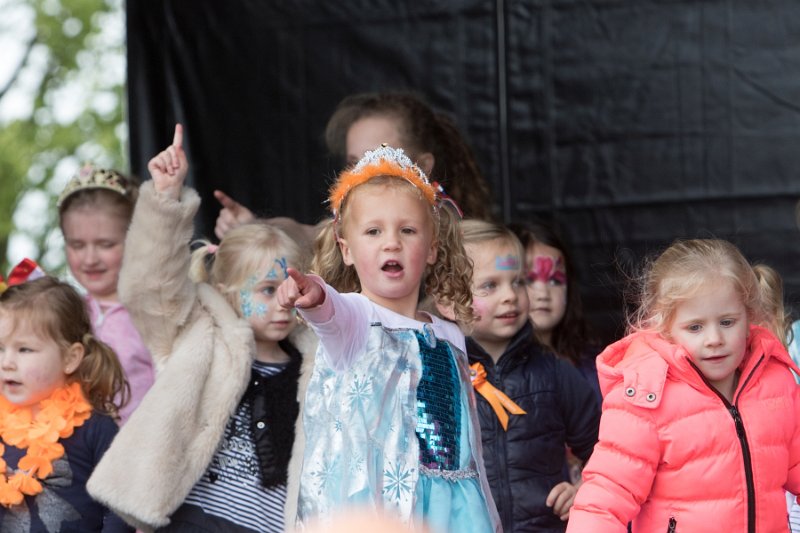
x,y
177,139
298,277
225,200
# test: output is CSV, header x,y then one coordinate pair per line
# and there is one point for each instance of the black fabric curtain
x,y
627,123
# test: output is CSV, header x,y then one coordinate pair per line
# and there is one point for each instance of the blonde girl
x,y
699,428
58,388
389,415
94,212
209,446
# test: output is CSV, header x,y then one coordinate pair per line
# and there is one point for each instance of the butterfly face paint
x,y
547,270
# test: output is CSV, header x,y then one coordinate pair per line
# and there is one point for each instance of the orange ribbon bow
x,y
496,398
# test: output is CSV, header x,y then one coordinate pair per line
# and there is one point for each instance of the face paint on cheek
x,y
479,308
509,262
545,269
246,297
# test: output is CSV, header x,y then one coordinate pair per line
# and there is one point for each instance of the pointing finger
x,y
177,139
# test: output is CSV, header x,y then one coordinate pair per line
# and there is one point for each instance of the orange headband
x,y
383,161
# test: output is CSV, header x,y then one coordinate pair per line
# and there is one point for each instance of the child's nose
x,y
7,360
391,241
713,336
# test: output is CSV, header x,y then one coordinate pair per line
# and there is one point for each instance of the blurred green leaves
x,y
61,103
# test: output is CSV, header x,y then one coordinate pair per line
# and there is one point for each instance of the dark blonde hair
x,y
422,130
55,310
480,231
771,287
448,280
682,270
98,198
240,254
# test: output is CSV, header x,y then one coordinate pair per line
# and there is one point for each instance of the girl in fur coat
x,y
208,449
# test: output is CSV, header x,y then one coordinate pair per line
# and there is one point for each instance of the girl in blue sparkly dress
x,y
390,414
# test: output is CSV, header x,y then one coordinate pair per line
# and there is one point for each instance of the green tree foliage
x,y
61,105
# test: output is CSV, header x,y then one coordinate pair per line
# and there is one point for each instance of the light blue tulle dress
x,y
394,428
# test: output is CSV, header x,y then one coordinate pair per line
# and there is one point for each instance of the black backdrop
x,y
629,122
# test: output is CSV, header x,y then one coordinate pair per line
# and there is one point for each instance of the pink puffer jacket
x,y
674,455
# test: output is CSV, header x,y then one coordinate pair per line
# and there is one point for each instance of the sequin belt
x,y
449,475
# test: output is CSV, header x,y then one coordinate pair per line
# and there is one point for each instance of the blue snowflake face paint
x,y
249,307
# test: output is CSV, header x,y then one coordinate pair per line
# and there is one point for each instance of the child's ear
x,y
433,253
425,162
446,311
347,257
73,357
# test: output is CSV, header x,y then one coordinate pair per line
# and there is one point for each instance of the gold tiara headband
x,y
89,177
383,161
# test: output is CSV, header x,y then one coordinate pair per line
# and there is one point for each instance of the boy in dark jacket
x,y
531,404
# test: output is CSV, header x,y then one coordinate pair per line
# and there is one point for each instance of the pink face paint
x,y
545,269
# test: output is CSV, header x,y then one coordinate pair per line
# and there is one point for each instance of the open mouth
x,y
392,267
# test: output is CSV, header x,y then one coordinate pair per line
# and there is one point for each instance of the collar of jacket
x,y
518,348
642,361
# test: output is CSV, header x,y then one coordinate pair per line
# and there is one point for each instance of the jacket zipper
x,y
740,432
673,524
496,379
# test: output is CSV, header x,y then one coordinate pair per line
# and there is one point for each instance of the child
x,y
58,386
556,309
94,211
389,414
210,443
552,406
363,121
699,428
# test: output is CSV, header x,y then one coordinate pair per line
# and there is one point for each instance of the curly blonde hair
x,y
685,268
448,280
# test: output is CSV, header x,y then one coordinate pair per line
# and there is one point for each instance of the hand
x,y
561,498
233,214
169,168
298,290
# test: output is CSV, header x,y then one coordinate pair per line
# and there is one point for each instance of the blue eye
x,y
728,322
694,328
269,290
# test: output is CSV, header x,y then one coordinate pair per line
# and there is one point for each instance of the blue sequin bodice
x,y
438,411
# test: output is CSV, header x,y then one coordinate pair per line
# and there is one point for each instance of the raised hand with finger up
x,y
170,167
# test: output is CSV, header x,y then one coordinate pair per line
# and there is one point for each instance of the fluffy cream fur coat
x,y
203,353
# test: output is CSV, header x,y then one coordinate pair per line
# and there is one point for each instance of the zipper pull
x,y
737,420
673,524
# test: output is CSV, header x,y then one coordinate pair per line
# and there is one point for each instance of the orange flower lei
x,y
58,416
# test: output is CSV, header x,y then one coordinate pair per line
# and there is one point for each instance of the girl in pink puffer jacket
x,y
700,427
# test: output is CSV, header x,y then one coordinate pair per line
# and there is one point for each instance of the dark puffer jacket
x,y
524,463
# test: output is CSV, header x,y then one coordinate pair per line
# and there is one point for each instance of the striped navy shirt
x,y
231,486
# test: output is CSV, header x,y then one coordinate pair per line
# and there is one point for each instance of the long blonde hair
x,y
682,270
240,254
55,310
448,280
